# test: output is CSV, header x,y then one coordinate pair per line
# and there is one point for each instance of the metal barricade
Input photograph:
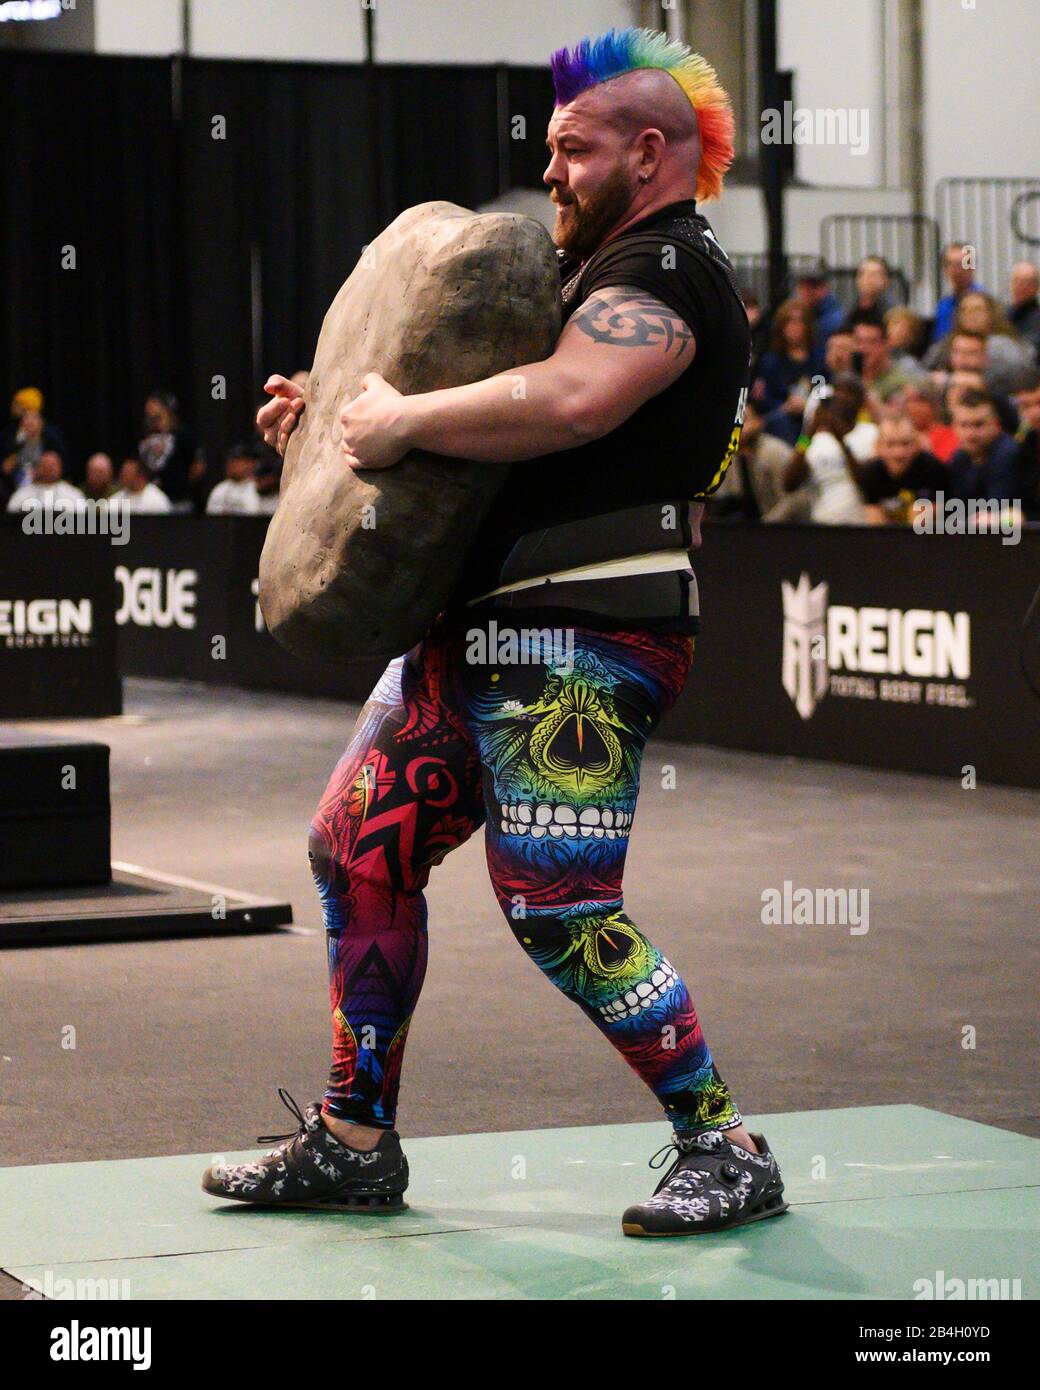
x,y
1000,218
909,243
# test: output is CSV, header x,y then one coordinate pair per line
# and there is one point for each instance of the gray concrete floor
x,y
181,1043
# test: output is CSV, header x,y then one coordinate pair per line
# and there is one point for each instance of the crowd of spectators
x,y
857,412
166,473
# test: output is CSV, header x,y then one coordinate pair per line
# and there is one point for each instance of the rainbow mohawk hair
x,y
593,61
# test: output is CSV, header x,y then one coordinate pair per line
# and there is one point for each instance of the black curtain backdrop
x,y
438,132
215,208
287,196
530,96
88,150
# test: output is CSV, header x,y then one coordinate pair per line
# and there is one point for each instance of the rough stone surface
x,y
357,565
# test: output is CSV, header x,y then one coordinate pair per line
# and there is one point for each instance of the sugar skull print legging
x,y
541,743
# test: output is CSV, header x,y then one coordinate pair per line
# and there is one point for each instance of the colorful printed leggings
x,y
546,745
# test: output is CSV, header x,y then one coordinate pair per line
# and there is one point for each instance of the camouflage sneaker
x,y
711,1186
310,1168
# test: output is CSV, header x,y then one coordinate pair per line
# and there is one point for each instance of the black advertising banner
x,y
171,589
58,656
188,610
878,647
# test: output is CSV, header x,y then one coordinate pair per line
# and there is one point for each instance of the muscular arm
x,y
619,349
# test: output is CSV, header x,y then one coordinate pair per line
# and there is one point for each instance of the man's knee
x,y
337,870
320,853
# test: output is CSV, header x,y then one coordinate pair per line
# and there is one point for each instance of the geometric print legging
x,y
544,749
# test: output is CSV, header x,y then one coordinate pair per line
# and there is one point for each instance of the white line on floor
x,y
176,881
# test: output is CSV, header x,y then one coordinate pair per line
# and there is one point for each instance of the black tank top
x,y
628,492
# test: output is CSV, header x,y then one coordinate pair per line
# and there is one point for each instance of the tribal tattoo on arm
x,y
630,317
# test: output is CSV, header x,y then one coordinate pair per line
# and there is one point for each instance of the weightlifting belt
x,y
583,564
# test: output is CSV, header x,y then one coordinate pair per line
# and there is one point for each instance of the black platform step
x,y
136,903
54,811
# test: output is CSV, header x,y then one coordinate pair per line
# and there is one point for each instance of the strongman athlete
x,y
634,417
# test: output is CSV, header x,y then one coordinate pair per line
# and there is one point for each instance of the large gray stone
x,y
357,565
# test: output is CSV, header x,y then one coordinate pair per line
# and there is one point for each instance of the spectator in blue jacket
x,y
959,269
1028,437
814,291
791,367
986,466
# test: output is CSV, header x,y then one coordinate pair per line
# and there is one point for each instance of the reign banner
x,y
880,647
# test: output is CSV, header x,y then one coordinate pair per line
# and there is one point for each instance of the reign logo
x,y
805,663
895,655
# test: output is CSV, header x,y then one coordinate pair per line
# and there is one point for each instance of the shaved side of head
x,y
648,99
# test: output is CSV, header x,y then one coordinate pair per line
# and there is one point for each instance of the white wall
x,y
981,89
149,27
490,31
327,31
407,31
982,120
834,48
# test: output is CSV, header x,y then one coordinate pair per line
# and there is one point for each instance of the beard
x,y
582,225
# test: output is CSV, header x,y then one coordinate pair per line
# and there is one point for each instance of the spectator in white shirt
x,y
47,489
827,469
237,494
137,492
99,478
851,397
